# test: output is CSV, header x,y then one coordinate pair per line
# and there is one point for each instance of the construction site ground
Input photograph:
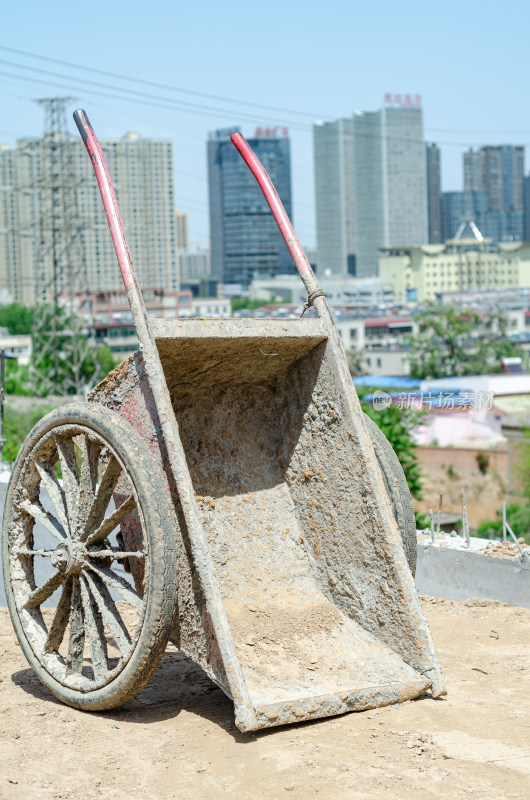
x,y
177,739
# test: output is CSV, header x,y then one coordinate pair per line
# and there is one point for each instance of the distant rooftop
x,y
468,231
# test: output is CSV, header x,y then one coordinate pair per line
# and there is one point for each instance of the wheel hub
x,y
69,558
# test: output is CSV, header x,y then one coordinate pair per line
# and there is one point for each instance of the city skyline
x,y
200,234
482,167
337,74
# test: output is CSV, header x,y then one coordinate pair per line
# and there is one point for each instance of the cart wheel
x,y
398,490
102,637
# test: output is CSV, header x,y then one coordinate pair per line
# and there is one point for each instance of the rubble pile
x,y
504,549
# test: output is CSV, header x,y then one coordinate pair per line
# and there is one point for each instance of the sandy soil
x,y
177,738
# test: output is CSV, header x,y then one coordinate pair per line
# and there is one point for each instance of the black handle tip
x,y
82,122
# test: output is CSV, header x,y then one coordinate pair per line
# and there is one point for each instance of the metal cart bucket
x,y
294,592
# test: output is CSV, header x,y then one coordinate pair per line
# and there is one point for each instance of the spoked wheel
x,y
90,580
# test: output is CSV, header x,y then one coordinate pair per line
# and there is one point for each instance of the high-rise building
x,y
181,230
527,208
382,154
498,171
473,173
245,240
334,196
434,194
193,265
499,226
458,207
142,174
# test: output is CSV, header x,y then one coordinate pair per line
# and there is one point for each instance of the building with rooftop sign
x,y
370,185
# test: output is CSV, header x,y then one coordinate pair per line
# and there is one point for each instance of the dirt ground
x,y
177,739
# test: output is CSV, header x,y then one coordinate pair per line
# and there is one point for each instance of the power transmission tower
x,y
61,336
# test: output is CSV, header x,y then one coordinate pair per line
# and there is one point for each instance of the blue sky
x,y
324,60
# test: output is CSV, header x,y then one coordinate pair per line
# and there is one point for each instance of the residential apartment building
x,y
499,172
245,240
193,265
142,174
181,230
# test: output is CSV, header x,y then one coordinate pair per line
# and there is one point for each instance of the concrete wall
x,y
460,574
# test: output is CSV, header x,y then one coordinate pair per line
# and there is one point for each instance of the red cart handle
x,y
282,220
109,198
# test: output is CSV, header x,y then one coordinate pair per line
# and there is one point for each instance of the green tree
x,y
70,340
17,379
16,318
458,341
521,455
518,517
246,304
18,425
397,424
106,360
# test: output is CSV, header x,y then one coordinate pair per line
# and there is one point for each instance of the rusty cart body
x,y
221,488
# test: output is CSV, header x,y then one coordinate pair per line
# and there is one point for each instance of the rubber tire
x,y
398,490
147,478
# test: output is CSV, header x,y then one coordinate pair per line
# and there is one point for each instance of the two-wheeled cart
x,y
220,487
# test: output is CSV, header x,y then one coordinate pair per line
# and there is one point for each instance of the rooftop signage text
x,y
403,100
273,133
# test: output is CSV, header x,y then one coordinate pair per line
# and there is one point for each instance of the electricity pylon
x,y
61,335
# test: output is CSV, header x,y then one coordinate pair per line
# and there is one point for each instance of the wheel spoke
x,y
110,523
118,583
60,620
109,612
95,632
55,492
102,499
116,553
76,643
25,552
45,518
45,591
90,451
66,453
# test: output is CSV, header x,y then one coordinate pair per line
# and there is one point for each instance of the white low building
x,y
340,290
209,307
460,266
387,361
18,347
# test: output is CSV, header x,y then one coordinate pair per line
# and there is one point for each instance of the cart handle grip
x,y
280,215
109,198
